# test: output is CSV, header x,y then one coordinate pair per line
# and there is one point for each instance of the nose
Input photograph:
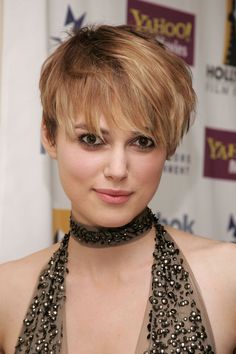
x,y
116,166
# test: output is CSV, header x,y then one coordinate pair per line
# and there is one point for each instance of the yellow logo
x,y
61,218
162,26
230,34
219,150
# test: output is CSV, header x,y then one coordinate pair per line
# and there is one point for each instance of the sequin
x,y
175,322
42,328
173,281
105,237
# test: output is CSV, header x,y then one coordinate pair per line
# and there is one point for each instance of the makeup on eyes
x,y
93,141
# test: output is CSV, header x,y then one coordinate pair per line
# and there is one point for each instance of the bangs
x,y
124,76
107,94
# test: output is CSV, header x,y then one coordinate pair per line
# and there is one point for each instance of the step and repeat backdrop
x,y
198,187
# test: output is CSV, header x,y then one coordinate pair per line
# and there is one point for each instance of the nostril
x,y
116,168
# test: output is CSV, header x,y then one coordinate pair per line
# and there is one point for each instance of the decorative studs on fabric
x,y
175,323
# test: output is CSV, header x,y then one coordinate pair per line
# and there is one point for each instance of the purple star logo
x,y
71,20
232,225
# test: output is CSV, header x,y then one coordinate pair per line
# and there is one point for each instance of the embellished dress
x,y
175,320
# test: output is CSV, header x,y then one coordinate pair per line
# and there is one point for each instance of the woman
x,y
115,106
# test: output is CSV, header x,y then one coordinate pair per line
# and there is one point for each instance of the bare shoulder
x,y
21,271
190,242
217,257
220,252
20,274
17,282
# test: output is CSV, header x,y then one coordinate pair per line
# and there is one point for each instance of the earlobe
x,y
48,145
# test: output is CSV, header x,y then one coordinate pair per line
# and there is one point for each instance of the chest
x,y
106,320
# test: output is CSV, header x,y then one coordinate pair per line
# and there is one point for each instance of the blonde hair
x,y
125,75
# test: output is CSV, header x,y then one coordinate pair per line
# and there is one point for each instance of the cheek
x,y
150,170
77,166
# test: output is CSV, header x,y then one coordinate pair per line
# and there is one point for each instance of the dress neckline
x,y
176,317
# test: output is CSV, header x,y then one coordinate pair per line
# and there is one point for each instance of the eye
x,y
143,142
90,139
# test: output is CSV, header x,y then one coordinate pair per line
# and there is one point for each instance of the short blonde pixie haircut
x,y
123,74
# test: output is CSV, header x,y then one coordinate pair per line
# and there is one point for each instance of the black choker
x,y
106,236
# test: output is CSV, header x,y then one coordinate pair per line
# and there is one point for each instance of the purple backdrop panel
x,y
220,154
174,28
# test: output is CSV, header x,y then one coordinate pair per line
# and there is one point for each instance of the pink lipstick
x,y
113,196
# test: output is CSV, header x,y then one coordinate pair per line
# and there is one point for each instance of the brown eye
x,y
144,142
90,139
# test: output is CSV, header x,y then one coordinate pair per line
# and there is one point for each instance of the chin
x,y
117,218
107,216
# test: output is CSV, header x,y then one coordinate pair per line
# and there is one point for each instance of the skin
x,y
119,162
107,288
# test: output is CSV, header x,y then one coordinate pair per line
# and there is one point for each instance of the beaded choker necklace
x,y
105,237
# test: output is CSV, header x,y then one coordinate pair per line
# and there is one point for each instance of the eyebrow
x,y
84,126
103,131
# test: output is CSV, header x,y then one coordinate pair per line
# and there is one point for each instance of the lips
x,y
113,196
113,192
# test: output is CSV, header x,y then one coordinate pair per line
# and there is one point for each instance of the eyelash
x,y
150,142
87,144
82,137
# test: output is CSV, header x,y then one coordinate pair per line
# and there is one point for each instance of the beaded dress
x,y
175,320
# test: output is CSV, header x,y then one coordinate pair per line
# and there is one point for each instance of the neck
x,y
107,237
112,250
110,261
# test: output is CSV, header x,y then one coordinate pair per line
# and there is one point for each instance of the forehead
x,y
105,126
82,123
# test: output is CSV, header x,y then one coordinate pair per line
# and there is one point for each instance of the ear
x,y
48,145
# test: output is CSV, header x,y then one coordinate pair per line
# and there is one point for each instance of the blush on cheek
x,y
78,168
85,166
151,169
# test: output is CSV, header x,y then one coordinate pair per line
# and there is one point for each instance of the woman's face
x,y
110,180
